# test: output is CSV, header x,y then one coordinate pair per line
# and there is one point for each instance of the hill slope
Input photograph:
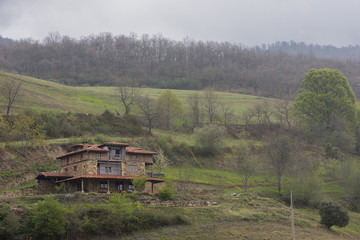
x,y
41,95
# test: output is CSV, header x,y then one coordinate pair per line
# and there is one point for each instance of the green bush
x,y
48,219
333,214
166,192
209,139
139,183
306,188
9,225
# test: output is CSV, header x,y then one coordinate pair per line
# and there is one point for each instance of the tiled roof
x,y
78,145
93,148
109,177
139,151
53,175
114,144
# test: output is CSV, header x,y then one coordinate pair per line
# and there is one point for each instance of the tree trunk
x,y
150,127
279,182
245,183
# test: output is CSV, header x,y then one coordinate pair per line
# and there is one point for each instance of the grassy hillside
x,y
41,95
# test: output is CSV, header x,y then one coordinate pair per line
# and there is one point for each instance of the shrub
x,y
48,219
306,187
139,183
332,213
209,139
166,193
9,225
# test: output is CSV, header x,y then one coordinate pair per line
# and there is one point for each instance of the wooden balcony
x,y
117,157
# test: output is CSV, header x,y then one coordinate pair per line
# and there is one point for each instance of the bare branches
x,y
129,93
149,109
9,89
211,104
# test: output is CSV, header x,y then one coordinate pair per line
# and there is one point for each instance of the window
x,y
81,156
75,168
134,156
132,167
117,151
119,186
98,155
131,187
103,185
108,169
67,161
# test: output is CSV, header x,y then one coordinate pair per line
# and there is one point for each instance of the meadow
x,y
41,95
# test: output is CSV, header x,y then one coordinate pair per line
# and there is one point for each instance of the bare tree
x,y
211,104
129,93
279,152
148,108
169,107
282,112
246,163
194,101
227,112
9,89
262,112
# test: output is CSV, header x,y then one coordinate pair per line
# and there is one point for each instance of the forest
x,y
155,61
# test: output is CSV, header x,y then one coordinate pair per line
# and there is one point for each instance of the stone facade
x,y
102,168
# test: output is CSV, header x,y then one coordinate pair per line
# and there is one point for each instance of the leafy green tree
x,y
9,225
169,106
49,219
332,213
325,94
28,130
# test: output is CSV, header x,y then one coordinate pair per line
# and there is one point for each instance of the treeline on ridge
x,y
156,61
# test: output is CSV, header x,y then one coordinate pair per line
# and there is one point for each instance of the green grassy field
x,y
41,95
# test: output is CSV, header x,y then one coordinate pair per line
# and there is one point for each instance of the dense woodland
x,y
156,61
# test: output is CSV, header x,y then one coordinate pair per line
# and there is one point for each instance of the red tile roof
x,y
139,151
78,145
109,177
93,148
53,175
114,144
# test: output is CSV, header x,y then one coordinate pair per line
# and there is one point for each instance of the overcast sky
x,y
249,22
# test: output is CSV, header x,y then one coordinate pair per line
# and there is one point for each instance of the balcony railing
x,y
117,157
154,175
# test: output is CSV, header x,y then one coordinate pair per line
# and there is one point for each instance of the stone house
x,y
104,168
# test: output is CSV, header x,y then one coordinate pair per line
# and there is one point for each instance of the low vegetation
x,y
221,173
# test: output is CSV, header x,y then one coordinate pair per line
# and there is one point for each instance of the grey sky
x,y
250,22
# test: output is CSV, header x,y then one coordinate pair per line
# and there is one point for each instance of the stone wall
x,y
140,165
18,193
139,157
45,186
